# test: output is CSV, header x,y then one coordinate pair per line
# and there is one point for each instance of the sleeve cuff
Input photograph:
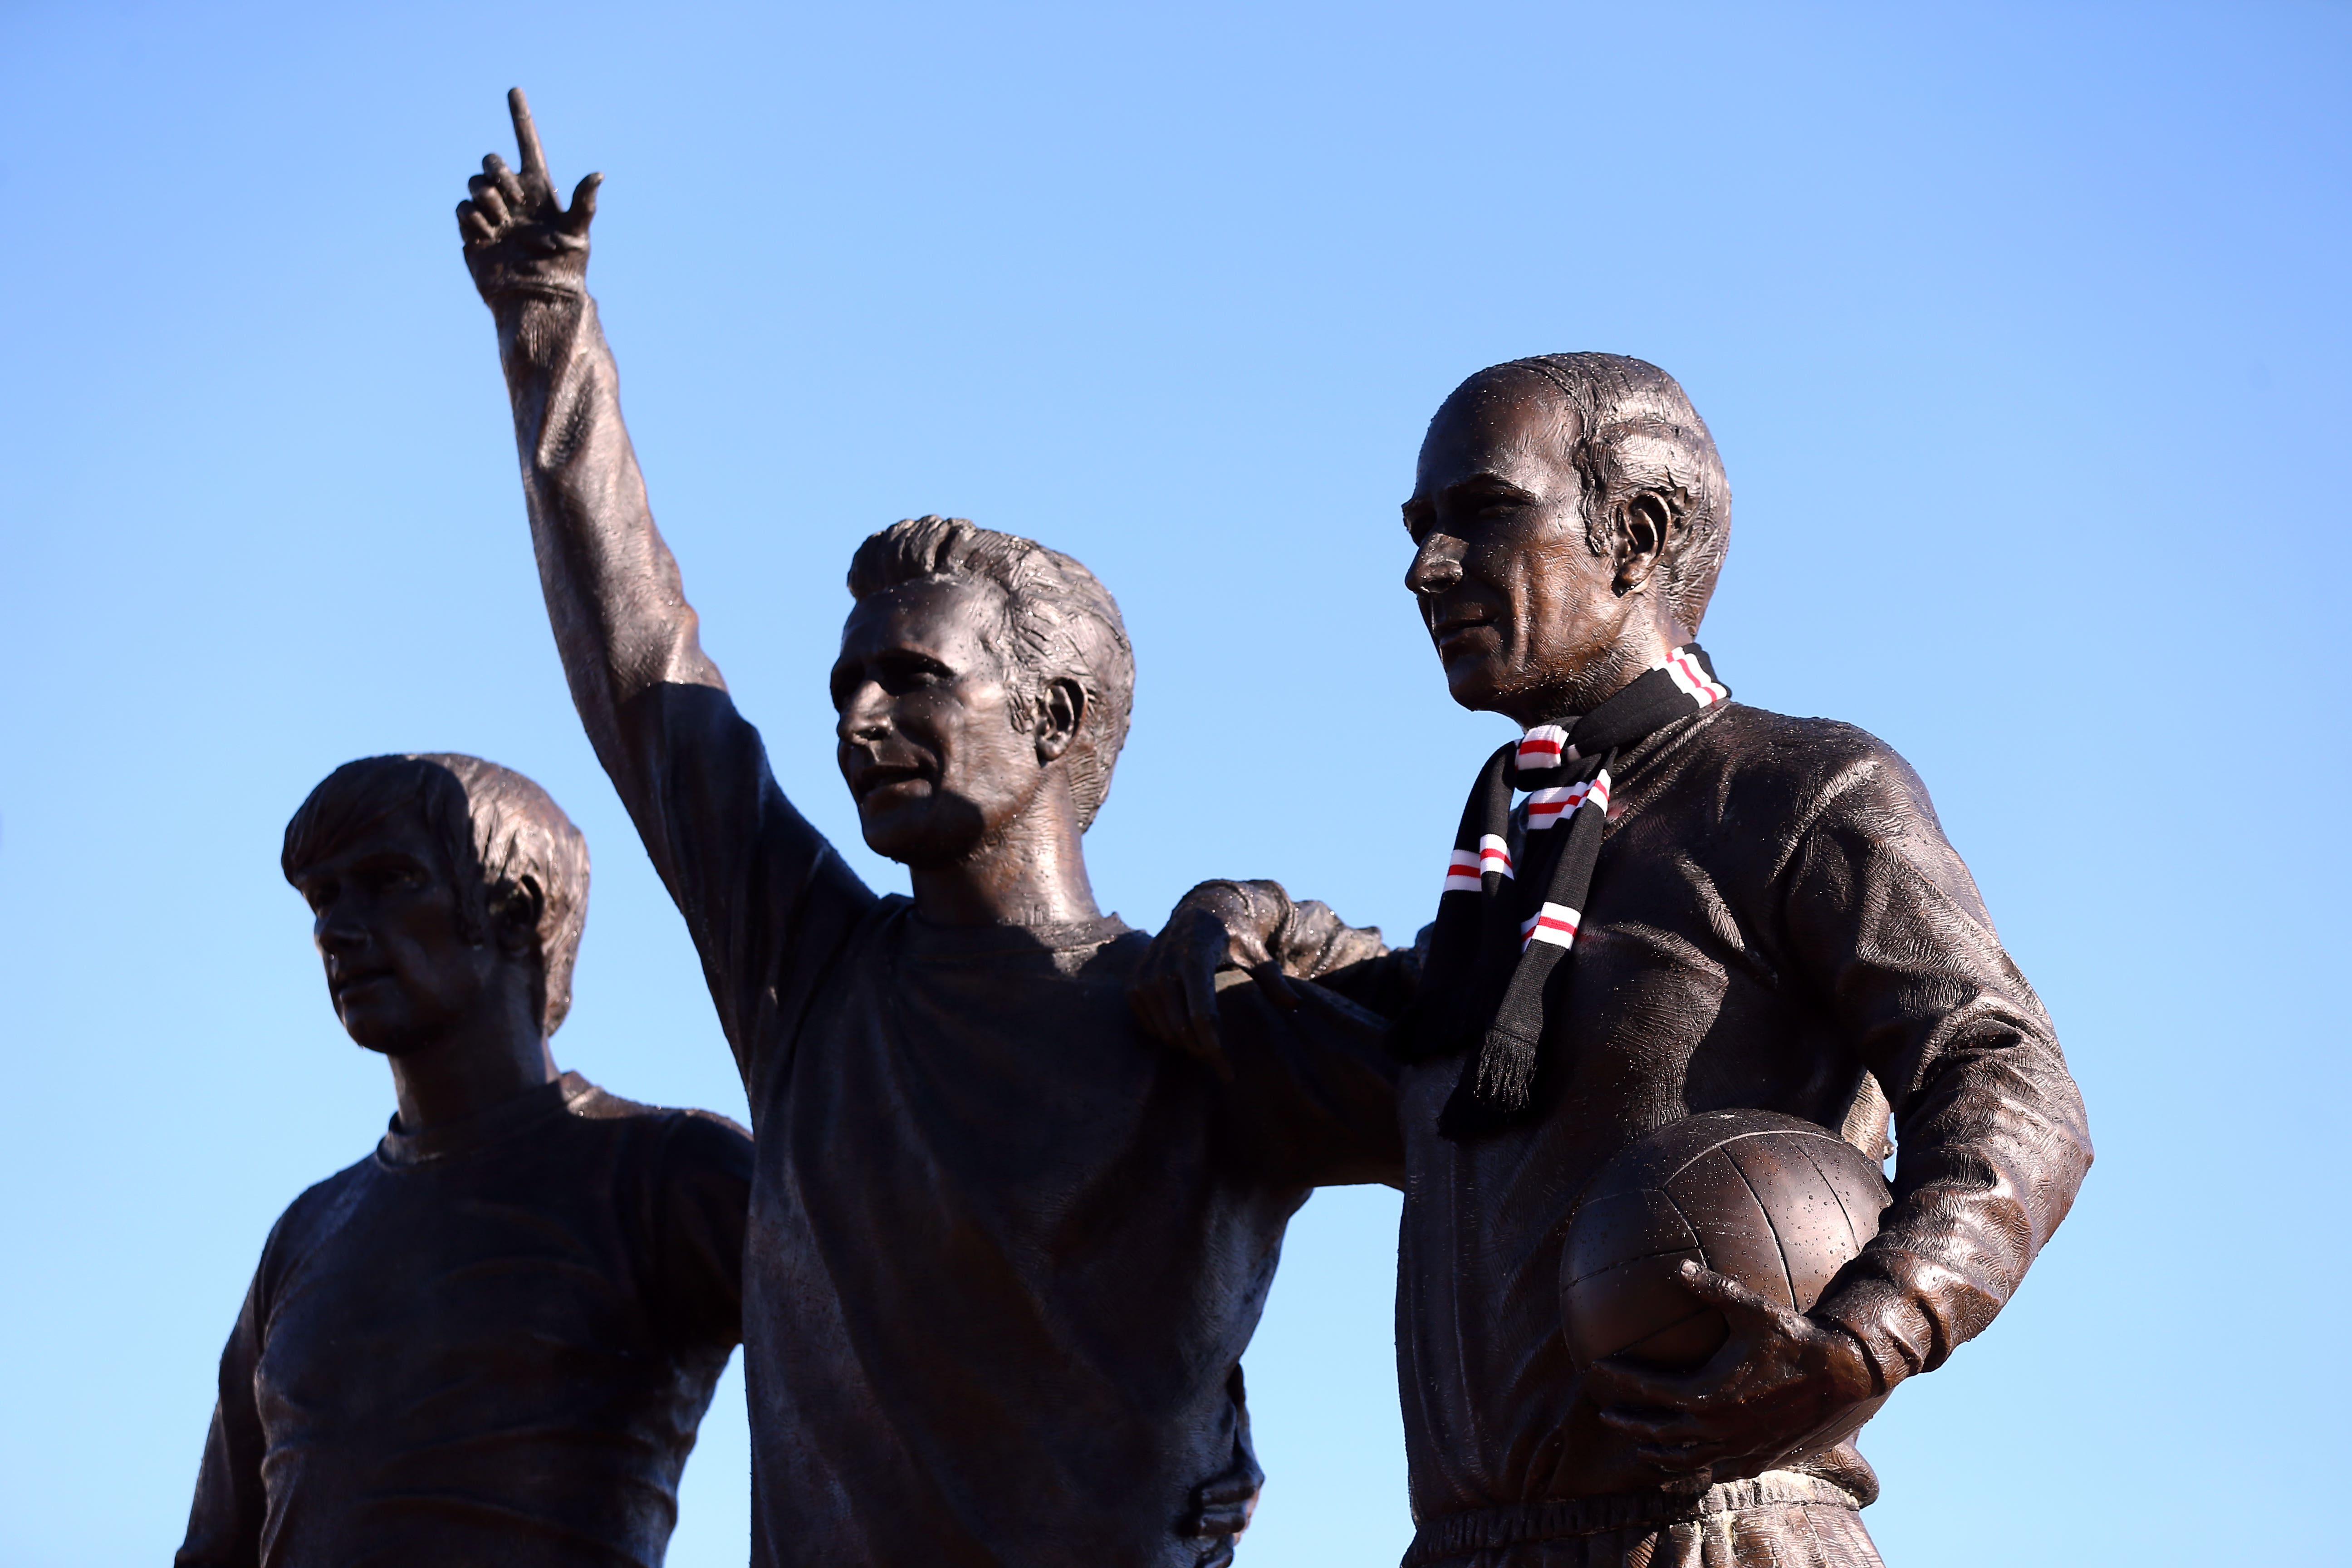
x,y
1897,1336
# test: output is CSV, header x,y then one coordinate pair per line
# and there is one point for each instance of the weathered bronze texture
x,y
491,1340
1004,1251
1775,922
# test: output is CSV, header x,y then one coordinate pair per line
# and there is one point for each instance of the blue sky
x,y
2022,331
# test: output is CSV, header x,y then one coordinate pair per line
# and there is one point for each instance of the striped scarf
x,y
1499,935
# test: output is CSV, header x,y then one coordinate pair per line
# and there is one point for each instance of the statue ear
x,y
1060,712
514,918
1646,522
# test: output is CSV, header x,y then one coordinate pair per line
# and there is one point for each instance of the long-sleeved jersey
x,y
1776,922
488,1342
1004,1252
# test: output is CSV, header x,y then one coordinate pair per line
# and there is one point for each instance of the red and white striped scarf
x,y
1498,936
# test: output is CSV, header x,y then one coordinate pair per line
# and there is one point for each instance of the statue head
x,y
1569,518
438,886
982,676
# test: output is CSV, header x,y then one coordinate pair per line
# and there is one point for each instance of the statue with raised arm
x,y
1672,927
1004,1251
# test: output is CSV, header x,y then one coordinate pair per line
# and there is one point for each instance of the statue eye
x,y
900,676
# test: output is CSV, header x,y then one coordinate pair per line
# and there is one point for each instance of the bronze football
x,y
1776,1203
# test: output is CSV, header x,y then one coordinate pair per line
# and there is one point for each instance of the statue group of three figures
x,y
1018,1173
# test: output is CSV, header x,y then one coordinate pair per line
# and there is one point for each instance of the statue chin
x,y
1478,681
375,1015
370,1030
931,830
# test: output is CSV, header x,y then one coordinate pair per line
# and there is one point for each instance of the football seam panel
x,y
1699,1310
1634,1258
1852,1231
1741,1138
1780,1248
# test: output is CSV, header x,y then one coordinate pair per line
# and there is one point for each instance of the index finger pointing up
x,y
534,161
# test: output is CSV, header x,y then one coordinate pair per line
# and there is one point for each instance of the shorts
x,y
1779,1520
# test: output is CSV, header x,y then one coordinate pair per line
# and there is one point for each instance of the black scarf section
x,y
1493,952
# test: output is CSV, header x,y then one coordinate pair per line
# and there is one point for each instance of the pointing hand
x,y
518,237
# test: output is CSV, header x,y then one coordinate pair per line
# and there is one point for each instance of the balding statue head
x,y
1569,518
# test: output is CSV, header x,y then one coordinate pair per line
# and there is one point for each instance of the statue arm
x,y
1258,927
614,595
703,1198
765,897
1884,924
1313,1084
224,1520
1991,1141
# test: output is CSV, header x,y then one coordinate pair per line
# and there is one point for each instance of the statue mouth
x,y
344,983
887,778
1453,634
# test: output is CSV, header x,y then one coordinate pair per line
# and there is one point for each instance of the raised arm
x,y
766,899
620,614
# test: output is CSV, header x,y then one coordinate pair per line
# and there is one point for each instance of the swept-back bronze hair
x,y
1060,622
500,834
1636,430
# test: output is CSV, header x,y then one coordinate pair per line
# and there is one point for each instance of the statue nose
x,y
1433,570
862,714
340,937
862,723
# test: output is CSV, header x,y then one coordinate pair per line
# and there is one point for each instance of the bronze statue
x,y
492,1340
1660,903
1004,1252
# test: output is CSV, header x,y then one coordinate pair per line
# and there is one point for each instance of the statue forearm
x,y
1991,1142
620,619
1991,1154
614,595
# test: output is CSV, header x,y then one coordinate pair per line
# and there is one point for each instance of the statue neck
x,y
1032,871
498,1054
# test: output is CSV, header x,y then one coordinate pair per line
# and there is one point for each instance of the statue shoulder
x,y
1796,769
689,1137
705,1140
315,1214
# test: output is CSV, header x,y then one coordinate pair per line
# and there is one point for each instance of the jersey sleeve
x,y
224,1520
1314,1086
767,900
705,1193
1991,1142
